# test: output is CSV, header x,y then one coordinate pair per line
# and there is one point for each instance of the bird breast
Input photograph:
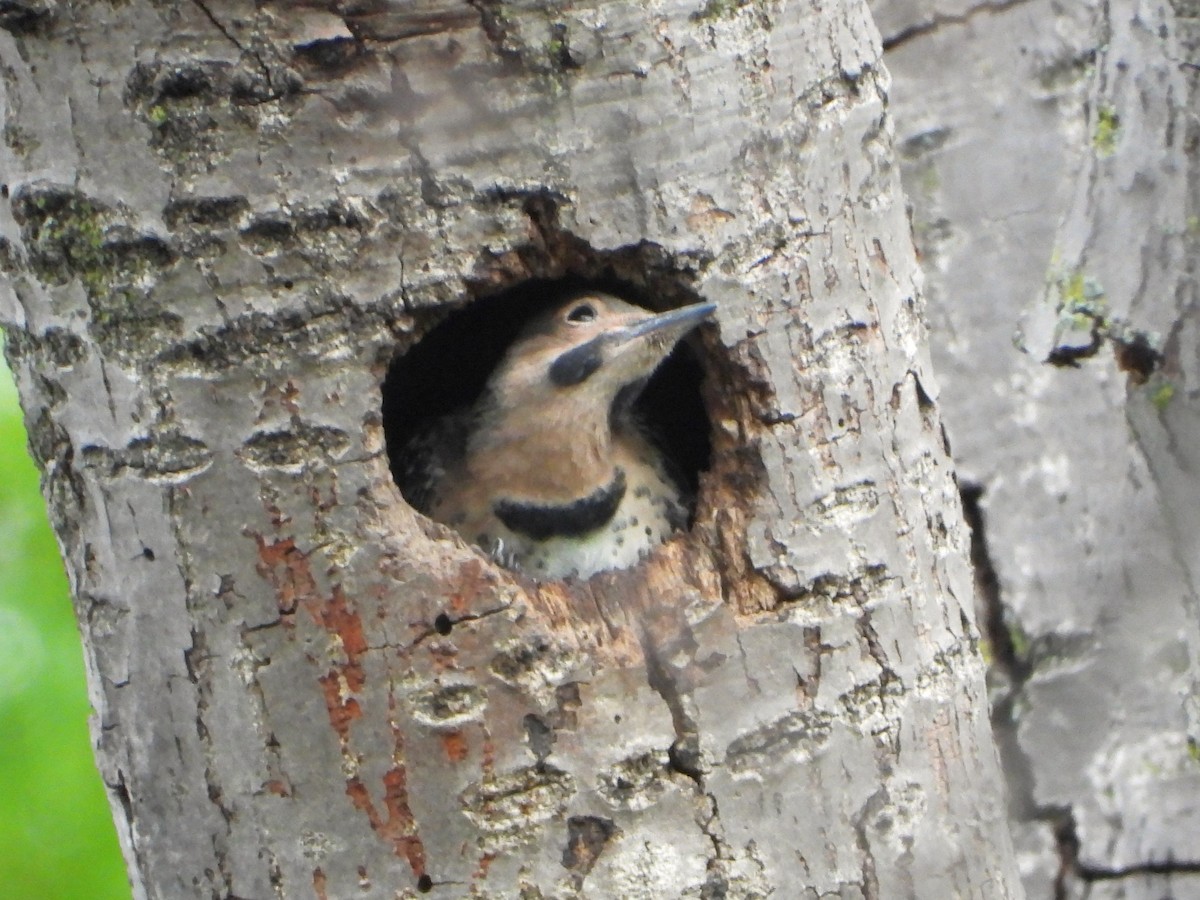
x,y
649,509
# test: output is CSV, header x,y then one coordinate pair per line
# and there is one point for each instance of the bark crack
x,y
870,877
1009,668
941,20
495,27
996,628
1071,865
684,753
197,660
208,14
685,757
75,139
273,92
444,623
1010,663
1168,866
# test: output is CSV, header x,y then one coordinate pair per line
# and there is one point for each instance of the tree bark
x,y
226,219
1054,180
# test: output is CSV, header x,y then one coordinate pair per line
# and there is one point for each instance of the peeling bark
x,y
216,245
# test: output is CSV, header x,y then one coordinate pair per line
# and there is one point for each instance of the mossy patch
x,y
63,232
1108,128
715,9
1018,640
1161,395
1085,323
188,104
68,235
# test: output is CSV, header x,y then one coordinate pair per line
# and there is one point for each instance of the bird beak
x,y
645,343
675,323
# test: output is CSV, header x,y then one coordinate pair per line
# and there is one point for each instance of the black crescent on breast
x,y
564,520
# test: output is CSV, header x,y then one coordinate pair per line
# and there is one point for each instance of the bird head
x,y
587,351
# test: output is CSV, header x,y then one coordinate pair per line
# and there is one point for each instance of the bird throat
x,y
572,519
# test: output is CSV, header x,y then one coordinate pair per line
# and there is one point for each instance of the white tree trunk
x,y
1054,172
225,219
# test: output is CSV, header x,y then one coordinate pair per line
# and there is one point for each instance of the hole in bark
x,y
442,624
447,371
424,884
587,837
1137,356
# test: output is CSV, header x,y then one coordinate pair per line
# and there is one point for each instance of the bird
x,y
550,471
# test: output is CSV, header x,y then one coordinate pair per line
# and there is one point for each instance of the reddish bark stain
x,y
342,712
288,397
357,792
401,825
443,656
277,787
485,863
287,570
323,504
488,764
336,617
455,745
472,581
399,828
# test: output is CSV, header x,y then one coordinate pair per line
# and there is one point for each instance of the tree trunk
x,y
1054,180
224,222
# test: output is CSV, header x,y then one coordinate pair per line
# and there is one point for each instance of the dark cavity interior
x,y
448,368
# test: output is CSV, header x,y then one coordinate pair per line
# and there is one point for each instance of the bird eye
x,y
581,313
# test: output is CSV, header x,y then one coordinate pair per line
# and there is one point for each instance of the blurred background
x,y
56,835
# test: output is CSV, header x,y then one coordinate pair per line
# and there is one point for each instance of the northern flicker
x,y
549,471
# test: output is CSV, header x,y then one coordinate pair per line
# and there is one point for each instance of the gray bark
x,y
1050,151
224,219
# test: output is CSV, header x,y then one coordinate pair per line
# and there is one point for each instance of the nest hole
x,y
447,369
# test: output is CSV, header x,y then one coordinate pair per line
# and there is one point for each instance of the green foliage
x,y
56,834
